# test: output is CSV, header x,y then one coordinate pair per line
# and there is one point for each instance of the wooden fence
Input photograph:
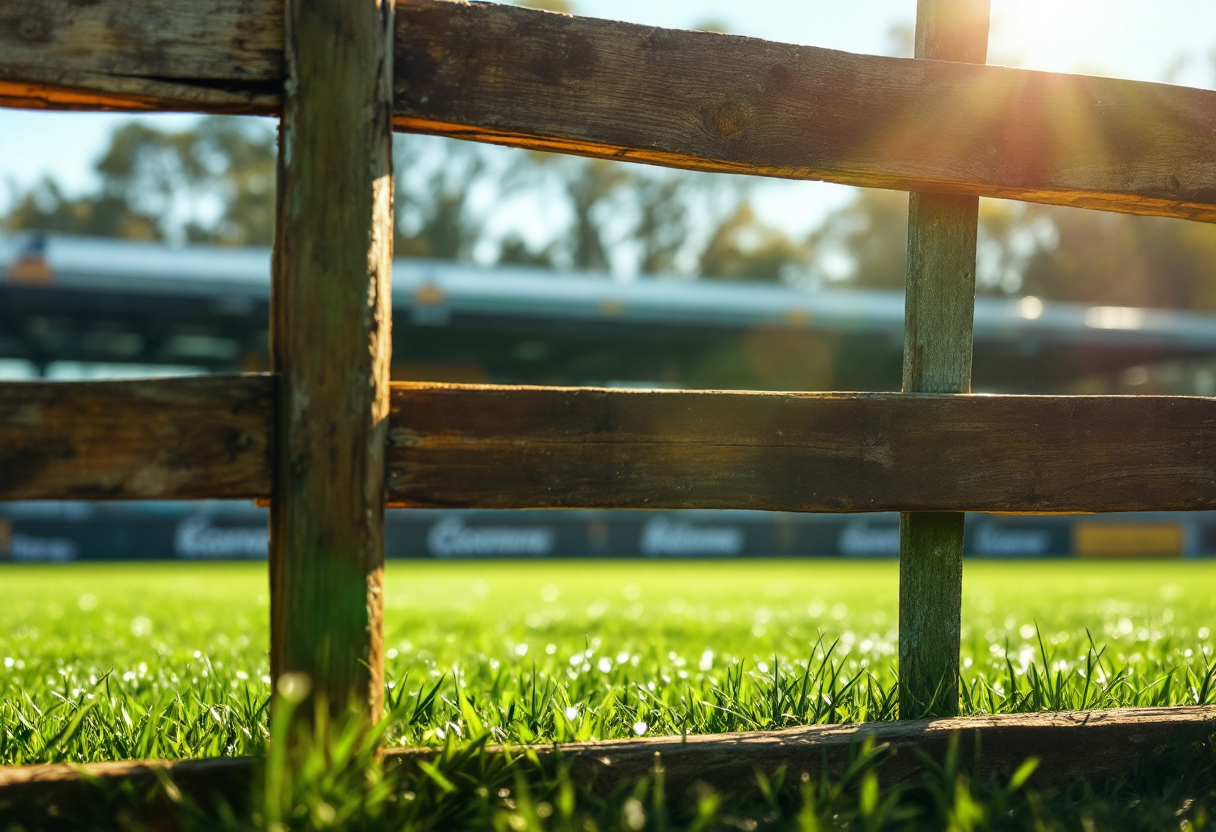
x,y
329,441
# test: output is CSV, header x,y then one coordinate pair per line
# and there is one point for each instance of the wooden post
x,y
938,313
330,325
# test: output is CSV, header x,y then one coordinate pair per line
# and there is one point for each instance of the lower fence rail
x,y
1095,745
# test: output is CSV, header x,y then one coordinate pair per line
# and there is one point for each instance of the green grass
x,y
169,660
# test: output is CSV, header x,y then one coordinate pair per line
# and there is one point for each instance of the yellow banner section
x,y
1127,540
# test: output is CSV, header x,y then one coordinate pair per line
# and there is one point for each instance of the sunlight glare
x,y
1061,35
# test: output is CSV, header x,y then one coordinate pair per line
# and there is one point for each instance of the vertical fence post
x,y
938,314
330,344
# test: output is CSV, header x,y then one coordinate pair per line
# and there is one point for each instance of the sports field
x,y
114,661
169,660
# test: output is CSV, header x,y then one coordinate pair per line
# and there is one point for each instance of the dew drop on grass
x,y
550,592
640,728
521,649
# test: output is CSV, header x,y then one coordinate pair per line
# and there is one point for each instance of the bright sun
x,y
1064,35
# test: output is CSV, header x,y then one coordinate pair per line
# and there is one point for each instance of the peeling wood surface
x,y
699,100
538,447
219,56
186,438
1096,745
330,344
519,447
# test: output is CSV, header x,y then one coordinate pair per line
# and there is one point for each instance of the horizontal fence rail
x,y
520,447
695,100
173,439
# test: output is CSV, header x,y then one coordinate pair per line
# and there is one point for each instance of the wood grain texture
x,y
698,100
518,447
939,304
219,56
939,310
187,438
330,344
1096,745
707,101
511,447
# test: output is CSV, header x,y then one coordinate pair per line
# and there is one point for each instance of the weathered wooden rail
x,y
696,100
329,442
485,446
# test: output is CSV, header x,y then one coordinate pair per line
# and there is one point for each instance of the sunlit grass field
x,y
118,661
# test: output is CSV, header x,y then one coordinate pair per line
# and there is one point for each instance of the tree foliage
x,y
215,183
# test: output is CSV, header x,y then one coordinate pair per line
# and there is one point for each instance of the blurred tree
x,y
436,180
514,250
663,224
233,161
711,24
44,207
870,234
1119,260
589,184
1056,253
213,183
562,6
743,247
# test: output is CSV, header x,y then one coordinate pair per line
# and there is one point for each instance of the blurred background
x,y
139,246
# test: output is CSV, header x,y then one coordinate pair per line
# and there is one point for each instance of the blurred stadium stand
x,y
83,306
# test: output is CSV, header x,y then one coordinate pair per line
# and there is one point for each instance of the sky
x,y
1151,40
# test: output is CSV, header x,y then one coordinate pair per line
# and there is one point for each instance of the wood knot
x,y
732,119
34,29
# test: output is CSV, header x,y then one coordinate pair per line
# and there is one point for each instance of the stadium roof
x,y
108,274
